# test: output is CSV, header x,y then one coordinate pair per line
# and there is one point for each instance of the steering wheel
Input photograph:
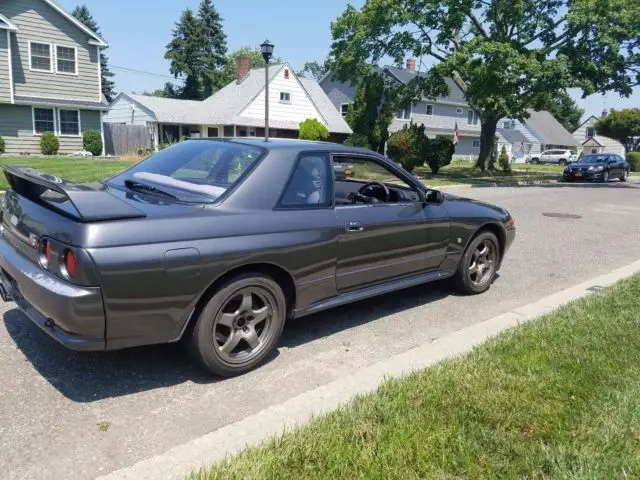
x,y
368,190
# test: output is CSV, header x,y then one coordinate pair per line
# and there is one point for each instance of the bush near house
x,y
405,147
439,152
503,160
633,159
49,144
358,140
92,142
312,129
1,145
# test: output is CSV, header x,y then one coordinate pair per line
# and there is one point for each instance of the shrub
x,y
312,129
402,148
1,145
439,152
49,144
503,160
358,140
92,142
633,158
162,146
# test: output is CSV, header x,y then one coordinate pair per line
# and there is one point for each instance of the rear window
x,y
193,170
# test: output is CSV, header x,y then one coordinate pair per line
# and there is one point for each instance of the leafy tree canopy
x,y
502,54
563,108
314,70
622,125
83,14
228,72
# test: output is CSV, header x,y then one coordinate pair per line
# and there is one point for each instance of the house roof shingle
x,y
225,106
549,130
405,76
512,136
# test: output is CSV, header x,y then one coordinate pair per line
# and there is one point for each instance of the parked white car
x,y
562,157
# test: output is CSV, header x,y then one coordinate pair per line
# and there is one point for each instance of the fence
x,y
126,139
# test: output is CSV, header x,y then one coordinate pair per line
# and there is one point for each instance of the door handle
x,y
354,227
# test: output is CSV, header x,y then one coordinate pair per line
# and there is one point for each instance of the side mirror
x,y
434,196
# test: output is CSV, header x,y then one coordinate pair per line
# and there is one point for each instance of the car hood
x,y
468,208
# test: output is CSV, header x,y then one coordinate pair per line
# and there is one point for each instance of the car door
x,y
544,156
383,240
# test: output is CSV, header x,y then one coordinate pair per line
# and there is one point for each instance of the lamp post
x,y
267,51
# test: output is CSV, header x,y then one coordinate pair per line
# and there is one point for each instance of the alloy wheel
x,y
483,263
242,327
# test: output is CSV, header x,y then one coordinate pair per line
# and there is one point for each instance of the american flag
x,y
456,135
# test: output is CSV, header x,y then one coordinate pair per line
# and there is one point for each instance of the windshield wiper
x,y
142,187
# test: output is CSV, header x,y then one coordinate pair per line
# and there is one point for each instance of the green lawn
x,y
74,169
460,172
557,398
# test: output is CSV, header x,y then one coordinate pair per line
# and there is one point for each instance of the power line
x,y
144,72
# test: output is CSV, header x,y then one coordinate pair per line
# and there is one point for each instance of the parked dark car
x,y
218,242
598,166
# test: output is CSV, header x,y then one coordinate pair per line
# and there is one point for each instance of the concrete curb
x,y
253,430
526,183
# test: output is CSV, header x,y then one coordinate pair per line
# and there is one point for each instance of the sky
x,y
139,30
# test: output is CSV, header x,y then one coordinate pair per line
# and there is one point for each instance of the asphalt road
x,y
66,415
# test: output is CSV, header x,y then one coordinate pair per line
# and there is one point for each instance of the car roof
x,y
289,144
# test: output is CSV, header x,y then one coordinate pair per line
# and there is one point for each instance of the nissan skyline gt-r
x,y
217,243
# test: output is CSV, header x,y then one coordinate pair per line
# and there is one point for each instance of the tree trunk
x,y
487,142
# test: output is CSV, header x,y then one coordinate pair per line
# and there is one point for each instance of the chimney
x,y
411,65
243,64
605,113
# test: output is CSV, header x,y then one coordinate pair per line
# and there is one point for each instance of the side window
x,y
362,180
310,183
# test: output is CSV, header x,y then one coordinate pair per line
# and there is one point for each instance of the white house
x,y
236,110
591,142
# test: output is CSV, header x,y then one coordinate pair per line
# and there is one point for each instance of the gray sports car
x,y
218,242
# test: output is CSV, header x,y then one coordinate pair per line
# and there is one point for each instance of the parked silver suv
x,y
562,157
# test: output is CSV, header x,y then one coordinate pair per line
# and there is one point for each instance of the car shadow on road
x,y
574,184
91,376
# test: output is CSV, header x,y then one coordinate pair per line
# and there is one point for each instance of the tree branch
x,y
544,32
477,24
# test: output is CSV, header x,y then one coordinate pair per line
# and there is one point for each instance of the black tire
x,y
463,280
562,162
535,161
625,176
209,329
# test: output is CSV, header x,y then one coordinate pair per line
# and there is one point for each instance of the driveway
x,y
148,400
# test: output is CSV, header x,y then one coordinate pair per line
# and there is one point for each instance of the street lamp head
x,y
267,50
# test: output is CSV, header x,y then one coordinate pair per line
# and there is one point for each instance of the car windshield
x,y
594,159
191,171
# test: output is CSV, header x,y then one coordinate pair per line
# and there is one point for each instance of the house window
x,y
43,120
591,132
429,110
247,132
285,97
404,114
40,55
459,111
476,144
472,118
69,121
286,74
506,125
344,109
229,131
66,60
212,132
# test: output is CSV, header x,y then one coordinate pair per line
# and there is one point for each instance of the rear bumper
x,y
72,315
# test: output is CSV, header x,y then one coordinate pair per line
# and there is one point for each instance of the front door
x,y
385,231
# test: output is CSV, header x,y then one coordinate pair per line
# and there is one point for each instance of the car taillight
x,y
46,253
70,263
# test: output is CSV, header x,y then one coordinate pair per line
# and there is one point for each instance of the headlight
x,y
599,168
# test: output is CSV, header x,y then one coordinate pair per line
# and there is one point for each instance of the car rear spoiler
x,y
91,203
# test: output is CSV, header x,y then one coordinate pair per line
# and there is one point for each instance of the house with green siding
x,y
50,77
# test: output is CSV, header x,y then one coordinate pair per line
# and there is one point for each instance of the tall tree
x,y
227,73
502,54
314,69
186,55
563,108
214,46
373,109
83,14
623,125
